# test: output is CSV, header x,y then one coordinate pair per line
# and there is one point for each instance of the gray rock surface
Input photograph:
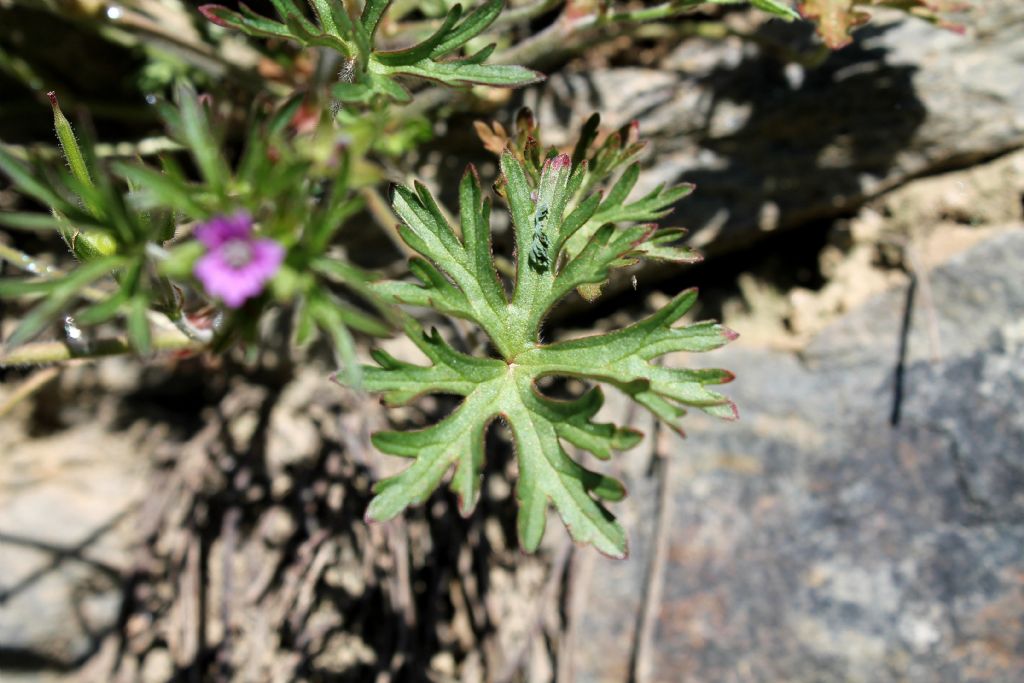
x,y
66,535
772,144
816,540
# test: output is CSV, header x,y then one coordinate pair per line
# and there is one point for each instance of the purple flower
x,y
236,265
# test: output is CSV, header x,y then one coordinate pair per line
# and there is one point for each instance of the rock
x,y
158,666
342,653
277,526
772,144
827,535
293,437
65,540
912,228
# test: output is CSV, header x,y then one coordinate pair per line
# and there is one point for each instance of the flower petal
x,y
234,285
221,229
267,256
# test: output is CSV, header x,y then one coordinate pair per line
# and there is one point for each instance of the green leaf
x,y
26,220
776,7
373,11
457,277
376,72
252,24
664,245
156,189
464,72
58,293
26,181
198,137
330,319
139,333
424,49
606,175
102,311
475,23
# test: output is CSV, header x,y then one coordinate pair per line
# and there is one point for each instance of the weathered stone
x,y
827,536
772,144
65,539
293,439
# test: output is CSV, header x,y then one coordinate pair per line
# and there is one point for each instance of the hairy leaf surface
x,y
457,276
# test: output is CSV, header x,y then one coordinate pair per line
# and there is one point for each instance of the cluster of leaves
x,y
568,236
132,221
301,199
610,173
370,72
106,236
836,19
575,217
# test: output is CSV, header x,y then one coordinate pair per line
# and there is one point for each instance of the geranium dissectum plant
x,y
457,277
189,246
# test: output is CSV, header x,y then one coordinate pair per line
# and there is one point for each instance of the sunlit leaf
x,y
457,277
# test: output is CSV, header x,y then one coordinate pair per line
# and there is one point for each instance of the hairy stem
x,y
566,34
58,351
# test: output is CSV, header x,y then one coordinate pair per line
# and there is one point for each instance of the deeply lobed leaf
x,y
562,243
375,72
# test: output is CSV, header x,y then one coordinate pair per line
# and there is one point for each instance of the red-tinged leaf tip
x,y
561,161
525,120
53,99
731,335
676,427
649,229
210,12
624,555
954,27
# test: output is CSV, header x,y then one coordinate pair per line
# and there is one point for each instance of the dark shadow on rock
x,y
312,586
105,579
808,140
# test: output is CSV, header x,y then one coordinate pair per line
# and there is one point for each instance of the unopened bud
x,y
68,143
525,121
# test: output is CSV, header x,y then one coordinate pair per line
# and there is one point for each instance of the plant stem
x,y
58,351
35,382
665,10
566,34
199,336
521,14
